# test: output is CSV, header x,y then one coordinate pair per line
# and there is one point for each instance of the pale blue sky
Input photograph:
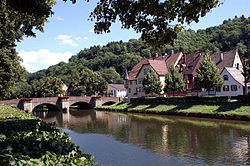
x,y
69,31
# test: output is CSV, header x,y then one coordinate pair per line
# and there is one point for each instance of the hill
x,y
99,64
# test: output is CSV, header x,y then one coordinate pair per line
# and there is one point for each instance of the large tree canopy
x,y
20,17
154,19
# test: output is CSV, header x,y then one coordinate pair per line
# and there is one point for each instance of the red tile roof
x,y
193,63
159,64
228,59
118,86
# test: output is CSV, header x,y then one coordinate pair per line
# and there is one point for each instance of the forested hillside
x,y
100,64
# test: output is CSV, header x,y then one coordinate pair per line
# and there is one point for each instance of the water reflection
x,y
163,139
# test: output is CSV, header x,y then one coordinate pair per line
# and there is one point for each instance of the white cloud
x,y
86,38
78,38
41,59
91,30
60,19
67,40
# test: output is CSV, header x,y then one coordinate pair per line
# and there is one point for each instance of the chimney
x,y
221,57
172,52
126,75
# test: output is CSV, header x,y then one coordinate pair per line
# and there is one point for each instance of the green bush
x,y
33,142
243,98
181,99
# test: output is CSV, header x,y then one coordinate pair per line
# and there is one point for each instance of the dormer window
x,y
145,71
225,77
238,66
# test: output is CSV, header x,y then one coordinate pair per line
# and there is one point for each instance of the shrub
x,y
181,99
243,98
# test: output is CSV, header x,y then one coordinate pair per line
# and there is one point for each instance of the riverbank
x,y
26,140
227,110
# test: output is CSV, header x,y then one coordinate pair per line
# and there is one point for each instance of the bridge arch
x,y
80,105
49,106
108,103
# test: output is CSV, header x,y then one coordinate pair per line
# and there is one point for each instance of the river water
x,y
148,140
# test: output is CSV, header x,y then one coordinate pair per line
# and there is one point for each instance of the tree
x,y
87,83
153,19
151,83
173,81
18,18
21,89
208,76
111,76
10,71
47,87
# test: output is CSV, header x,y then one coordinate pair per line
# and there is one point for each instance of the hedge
x,y
182,99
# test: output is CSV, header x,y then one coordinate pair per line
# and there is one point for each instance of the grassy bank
x,y
26,140
235,111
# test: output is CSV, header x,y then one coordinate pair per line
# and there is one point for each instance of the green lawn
x,y
26,140
230,109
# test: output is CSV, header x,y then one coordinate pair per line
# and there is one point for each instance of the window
x,y
135,82
225,88
225,77
233,87
145,71
129,90
139,89
140,81
218,89
131,82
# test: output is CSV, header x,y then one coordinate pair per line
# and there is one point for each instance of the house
x,y
64,89
233,82
117,90
228,63
160,64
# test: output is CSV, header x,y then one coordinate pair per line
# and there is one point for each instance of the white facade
x,y
233,86
237,62
116,91
135,87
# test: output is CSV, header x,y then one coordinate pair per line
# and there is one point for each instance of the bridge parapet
x,y
62,103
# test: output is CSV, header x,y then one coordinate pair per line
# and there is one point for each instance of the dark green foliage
x,y
87,83
21,89
18,18
244,98
173,81
47,87
208,76
153,19
111,76
25,140
180,99
10,71
151,83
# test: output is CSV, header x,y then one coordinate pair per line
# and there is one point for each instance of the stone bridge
x,y
59,103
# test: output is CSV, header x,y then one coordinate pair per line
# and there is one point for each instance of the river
x,y
148,140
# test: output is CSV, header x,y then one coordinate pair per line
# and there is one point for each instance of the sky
x,y
69,31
